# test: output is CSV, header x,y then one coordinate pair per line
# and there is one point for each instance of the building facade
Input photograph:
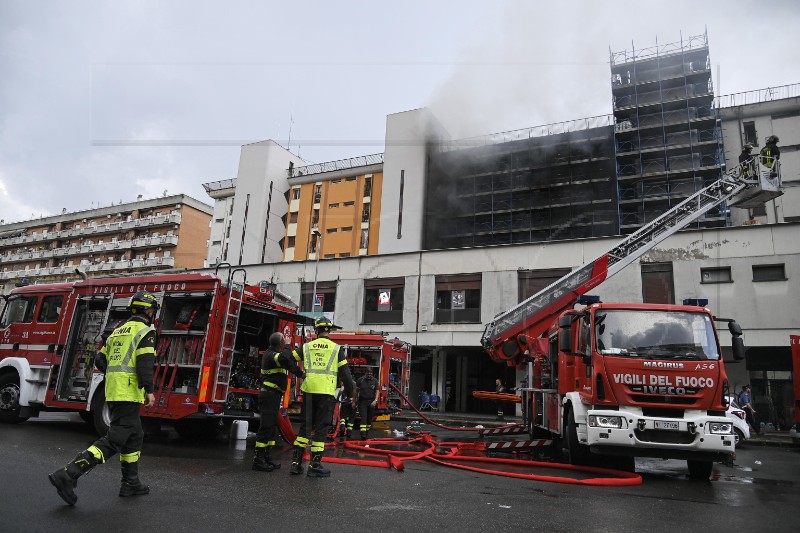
x,y
146,235
462,230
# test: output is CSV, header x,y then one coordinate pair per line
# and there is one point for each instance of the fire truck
x,y
389,360
211,327
623,380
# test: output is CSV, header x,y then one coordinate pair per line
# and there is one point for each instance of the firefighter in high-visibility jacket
x,y
324,364
275,367
127,358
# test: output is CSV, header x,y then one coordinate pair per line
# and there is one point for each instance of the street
x,y
209,486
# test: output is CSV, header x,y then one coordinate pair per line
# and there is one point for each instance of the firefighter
x,y
367,394
770,152
275,367
347,414
323,363
744,158
500,389
127,359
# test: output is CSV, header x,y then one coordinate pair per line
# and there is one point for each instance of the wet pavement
x,y
202,486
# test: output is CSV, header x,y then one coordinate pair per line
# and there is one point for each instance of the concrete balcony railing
x,y
102,267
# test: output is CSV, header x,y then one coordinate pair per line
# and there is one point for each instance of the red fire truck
x,y
630,380
210,332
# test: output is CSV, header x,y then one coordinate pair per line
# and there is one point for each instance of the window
x,y
383,300
329,256
532,281
716,275
769,272
296,193
293,218
331,230
326,295
365,213
315,218
291,242
317,193
333,206
364,239
336,181
658,286
351,178
349,204
347,228
367,187
750,133
345,254
458,299
313,247
18,310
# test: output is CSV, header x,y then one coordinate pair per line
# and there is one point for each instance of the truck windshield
x,y
655,334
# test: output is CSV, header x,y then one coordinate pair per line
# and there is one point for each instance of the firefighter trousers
x,y
269,402
316,413
125,434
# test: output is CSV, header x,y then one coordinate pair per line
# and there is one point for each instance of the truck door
x,y
85,334
15,325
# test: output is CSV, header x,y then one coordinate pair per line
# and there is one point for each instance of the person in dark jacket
x,y
127,358
770,153
499,388
276,364
367,391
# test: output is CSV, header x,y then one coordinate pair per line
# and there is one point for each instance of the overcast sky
x,y
103,101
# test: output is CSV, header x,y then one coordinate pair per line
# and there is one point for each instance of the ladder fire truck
x,y
630,380
211,328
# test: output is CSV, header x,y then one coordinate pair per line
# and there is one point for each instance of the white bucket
x,y
239,429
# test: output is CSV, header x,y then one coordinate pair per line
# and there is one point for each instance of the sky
x,y
102,101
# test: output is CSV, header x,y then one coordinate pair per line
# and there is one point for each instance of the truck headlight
x,y
602,421
720,428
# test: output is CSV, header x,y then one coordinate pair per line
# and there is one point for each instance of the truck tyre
x,y
101,416
700,470
9,400
738,437
579,454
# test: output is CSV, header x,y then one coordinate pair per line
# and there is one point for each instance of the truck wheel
x,y
579,454
9,400
101,416
700,470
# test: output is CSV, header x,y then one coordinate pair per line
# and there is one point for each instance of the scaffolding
x,y
667,137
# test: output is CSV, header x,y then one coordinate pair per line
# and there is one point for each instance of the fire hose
x,y
453,456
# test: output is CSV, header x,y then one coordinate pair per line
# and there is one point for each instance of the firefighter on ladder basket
x,y
127,358
324,362
770,152
275,367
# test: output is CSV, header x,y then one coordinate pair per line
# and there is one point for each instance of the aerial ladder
x,y
507,337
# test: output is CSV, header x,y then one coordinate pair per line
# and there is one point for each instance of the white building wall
x,y
768,311
405,159
260,165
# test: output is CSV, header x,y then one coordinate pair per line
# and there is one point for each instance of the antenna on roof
x,y
289,141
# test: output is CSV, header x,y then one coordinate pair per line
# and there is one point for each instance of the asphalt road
x,y
209,487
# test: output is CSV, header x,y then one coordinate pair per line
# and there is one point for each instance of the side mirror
x,y
735,328
737,347
565,335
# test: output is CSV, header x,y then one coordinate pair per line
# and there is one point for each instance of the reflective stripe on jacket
x,y
121,350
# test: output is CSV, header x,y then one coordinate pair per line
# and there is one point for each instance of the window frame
x,y
705,270
471,284
372,288
766,268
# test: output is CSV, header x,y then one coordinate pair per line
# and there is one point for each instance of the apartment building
x,y
156,234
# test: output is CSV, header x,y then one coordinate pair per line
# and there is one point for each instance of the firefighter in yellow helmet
x,y
324,364
127,358
770,152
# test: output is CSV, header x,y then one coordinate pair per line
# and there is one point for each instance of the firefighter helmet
x,y
142,301
323,323
747,147
772,139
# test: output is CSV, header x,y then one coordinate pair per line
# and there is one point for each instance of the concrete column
x,y
438,375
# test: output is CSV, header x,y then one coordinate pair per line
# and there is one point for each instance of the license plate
x,y
665,424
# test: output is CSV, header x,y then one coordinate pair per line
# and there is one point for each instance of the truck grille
x,y
673,400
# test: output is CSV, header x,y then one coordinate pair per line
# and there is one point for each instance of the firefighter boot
x,y
131,486
315,468
297,461
268,458
66,479
260,461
